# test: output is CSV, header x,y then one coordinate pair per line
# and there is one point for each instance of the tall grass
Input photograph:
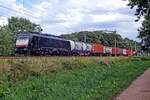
x,y
74,78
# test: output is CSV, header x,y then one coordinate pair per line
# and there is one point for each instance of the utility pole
x,y
135,48
85,37
131,46
115,44
115,40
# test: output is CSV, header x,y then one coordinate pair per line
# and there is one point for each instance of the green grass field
x,y
73,78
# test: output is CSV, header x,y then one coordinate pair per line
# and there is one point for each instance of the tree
x,y
22,25
143,9
107,39
144,33
8,33
7,40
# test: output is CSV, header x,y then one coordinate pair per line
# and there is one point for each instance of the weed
x,y
75,78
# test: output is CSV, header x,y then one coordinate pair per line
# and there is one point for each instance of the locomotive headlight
x,y
25,49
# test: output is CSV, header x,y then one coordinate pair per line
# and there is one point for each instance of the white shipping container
x,y
88,47
72,44
78,46
108,50
84,46
124,52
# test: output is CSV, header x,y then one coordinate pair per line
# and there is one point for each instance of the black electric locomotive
x,y
41,44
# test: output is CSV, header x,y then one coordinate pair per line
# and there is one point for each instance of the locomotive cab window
x,y
22,41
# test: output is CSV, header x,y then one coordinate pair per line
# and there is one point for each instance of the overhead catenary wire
x,y
14,10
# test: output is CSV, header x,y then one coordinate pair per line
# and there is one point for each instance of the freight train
x,y
44,44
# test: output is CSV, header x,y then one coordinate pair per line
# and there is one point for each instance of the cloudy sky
x,y
66,16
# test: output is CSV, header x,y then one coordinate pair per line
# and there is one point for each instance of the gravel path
x,y
138,90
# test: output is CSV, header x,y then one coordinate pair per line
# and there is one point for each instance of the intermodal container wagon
x,y
125,52
107,50
116,51
97,48
129,53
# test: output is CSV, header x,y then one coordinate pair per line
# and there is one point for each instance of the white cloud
x,y
70,19
109,17
65,16
111,4
3,20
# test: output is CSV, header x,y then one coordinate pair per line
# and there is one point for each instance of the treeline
x,y
103,37
8,33
16,25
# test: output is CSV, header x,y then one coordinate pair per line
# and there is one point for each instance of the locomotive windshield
x,y
22,41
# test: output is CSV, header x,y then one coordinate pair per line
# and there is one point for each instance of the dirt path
x,y
138,90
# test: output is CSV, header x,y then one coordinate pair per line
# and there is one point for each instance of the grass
x,y
75,78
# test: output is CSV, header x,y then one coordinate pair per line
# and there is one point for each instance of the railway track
x,y
23,57
18,57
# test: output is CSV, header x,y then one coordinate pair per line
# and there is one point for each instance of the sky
x,y
66,16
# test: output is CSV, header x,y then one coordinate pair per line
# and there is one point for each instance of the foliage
x,y
107,39
143,9
96,81
7,40
144,34
21,25
8,33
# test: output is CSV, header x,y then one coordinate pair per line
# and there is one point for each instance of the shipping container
x,y
83,47
116,51
97,48
132,52
129,53
108,50
125,52
78,46
72,45
121,52
88,47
